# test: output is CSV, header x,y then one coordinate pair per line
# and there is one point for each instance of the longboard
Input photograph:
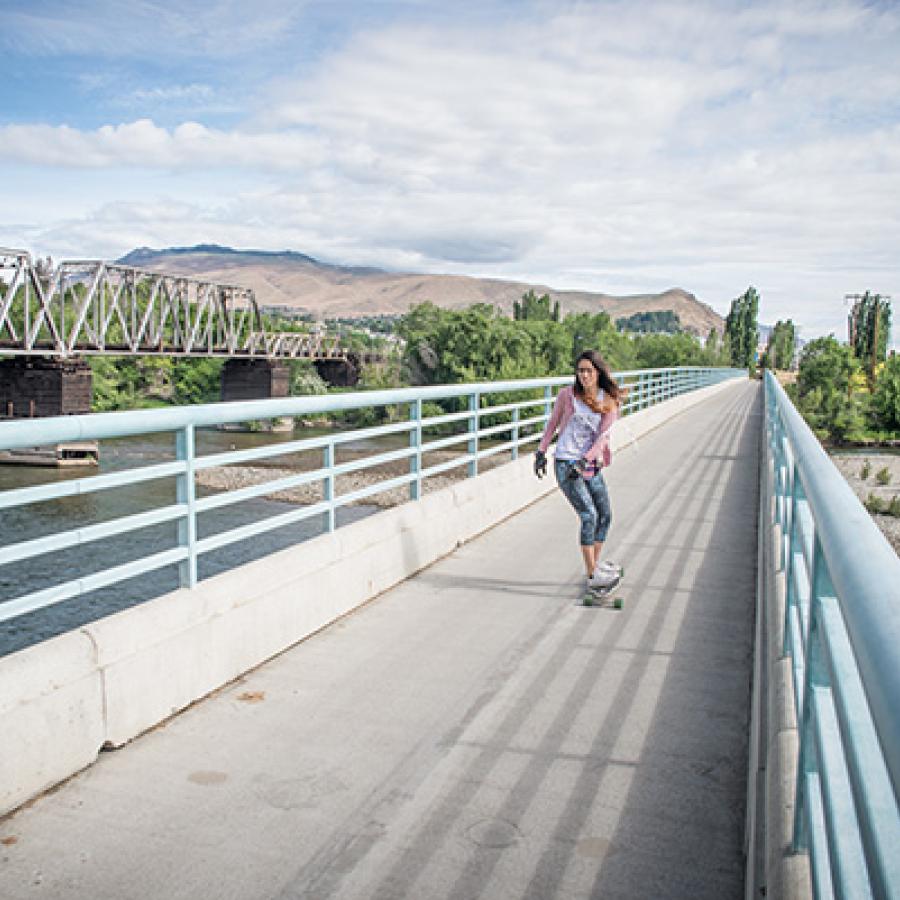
x,y
600,596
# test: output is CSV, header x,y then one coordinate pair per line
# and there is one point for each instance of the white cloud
x,y
143,144
611,146
179,93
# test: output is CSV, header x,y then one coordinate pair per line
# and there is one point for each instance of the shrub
x,y
883,476
866,470
887,393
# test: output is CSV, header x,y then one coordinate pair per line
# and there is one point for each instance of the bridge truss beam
x,y
89,307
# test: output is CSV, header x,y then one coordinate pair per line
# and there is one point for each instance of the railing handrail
x,y
842,631
866,568
16,433
520,425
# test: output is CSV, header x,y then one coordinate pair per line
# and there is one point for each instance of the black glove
x,y
576,470
540,463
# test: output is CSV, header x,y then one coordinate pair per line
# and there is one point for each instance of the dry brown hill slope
x,y
327,291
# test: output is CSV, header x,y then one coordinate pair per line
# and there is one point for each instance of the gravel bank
x,y
229,478
850,465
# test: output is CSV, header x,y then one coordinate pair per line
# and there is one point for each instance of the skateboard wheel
x,y
618,603
588,601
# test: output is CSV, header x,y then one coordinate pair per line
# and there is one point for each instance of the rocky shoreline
x,y
230,478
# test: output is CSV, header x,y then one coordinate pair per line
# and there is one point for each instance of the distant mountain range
x,y
290,279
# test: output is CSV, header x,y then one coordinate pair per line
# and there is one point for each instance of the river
x,y
37,520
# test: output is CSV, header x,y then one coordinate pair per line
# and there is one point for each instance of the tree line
x,y
437,346
846,399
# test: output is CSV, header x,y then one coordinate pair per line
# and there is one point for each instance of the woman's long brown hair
x,y
604,381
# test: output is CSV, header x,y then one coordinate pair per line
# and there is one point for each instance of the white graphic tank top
x,y
580,432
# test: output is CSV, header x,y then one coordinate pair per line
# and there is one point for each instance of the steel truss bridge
x,y
91,307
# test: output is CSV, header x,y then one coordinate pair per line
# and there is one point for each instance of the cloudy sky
x,y
621,147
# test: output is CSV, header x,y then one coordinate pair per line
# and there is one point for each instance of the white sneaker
x,y
604,579
609,566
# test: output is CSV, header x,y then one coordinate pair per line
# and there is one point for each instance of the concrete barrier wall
x,y
65,699
773,869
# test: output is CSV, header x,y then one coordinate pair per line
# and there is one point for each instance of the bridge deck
x,y
472,733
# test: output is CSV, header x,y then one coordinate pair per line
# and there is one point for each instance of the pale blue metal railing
x,y
525,418
842,632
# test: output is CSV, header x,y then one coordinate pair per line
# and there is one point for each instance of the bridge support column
x,y
254,379
339,372
35,387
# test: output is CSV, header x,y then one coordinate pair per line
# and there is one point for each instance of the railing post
x,y
415,440
794,555
185,492
515,434
815,676
473,431
328,485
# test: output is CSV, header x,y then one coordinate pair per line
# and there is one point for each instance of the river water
x,y
41,519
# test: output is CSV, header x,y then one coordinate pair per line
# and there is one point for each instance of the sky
x,y
619,147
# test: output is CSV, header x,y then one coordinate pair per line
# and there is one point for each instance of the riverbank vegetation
x,y
428,345
842,402
849,394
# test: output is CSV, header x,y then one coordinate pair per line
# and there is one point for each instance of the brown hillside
x,y
297,281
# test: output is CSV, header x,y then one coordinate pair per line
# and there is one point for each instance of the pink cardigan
x,y
563,410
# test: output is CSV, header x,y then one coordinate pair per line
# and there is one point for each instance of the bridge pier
x,y
254,379
339,371
36,387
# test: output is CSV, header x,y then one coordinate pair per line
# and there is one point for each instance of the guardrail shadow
x,y
639,754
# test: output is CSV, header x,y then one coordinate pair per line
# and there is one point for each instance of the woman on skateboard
x,y
583,415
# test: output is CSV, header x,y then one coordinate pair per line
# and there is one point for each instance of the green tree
x,y
596,332
644,322
133,382
826,364
656,351
535,308
197,380
826,394
304,379
741,329
782,341
869,326
715,350
886,398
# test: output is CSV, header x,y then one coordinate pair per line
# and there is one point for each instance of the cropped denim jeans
x,y
590,499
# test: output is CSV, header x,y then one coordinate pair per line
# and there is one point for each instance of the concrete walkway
x,y
473,733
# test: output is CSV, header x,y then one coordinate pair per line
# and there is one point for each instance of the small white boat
x,y
71,453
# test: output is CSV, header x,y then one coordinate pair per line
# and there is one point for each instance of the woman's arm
x,y
555,418
600,447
